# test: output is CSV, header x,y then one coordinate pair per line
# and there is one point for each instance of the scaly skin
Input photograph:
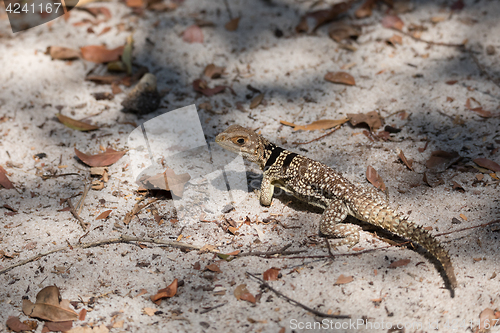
x,y
320,185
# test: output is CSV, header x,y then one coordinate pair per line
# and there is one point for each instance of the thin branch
x,y
45,177
213,307
428,41
468,228
121,239
79,207
228,10
137,208
481,68
294,302
321,137
281,251
75,214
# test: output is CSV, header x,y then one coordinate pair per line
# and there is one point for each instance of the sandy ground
x,y
107,280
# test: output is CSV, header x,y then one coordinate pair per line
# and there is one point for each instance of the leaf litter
x,y
49,306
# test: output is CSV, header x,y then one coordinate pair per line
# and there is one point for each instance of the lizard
x,y
322,186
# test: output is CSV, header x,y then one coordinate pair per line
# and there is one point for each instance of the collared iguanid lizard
x,y
320,185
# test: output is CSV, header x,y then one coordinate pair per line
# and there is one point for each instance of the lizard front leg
x,y
331,224
266,190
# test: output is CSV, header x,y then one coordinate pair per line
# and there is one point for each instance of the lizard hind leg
x,y
331,224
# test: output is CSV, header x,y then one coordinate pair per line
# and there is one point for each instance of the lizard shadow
x,y
376,231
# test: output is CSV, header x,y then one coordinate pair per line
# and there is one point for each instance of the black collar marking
x,y
275,153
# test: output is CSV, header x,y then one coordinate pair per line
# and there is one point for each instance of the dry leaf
x,y
241,293
82,314
105,79
168,292
399,263
4,181
392,22
457,187
441,160
365,10
317,125
167,180
213,268
343,279
213,72
48,307
95,11
463,217
402,157
488,164
149,311
201,86
104,215
109,157
62,53
256,101
100,54
374,178
16,325
372,119
487,320
233,24
395,39
340,31
57,327
193,34
340,77
313,20
75,124
135,3
271,274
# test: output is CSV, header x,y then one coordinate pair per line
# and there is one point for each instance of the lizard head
x,y
244,141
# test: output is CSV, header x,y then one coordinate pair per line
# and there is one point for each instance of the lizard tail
x,y
390,220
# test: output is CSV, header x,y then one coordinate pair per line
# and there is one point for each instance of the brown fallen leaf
x,y
395,39
441,160
82,314
365,10
233,24
457,187
193,34
105,79
110,156
104,215
100,54
168,292
479,110
487,320
340,77
487,164
62,53
340,31
76,124
256,101
272,274
201,86
343,280
213,72
149,311
316,125
374,178
213,268
313,20
167,180
402,157
392,22
399,263
135,3
4,181
372,119
62,326
241,293
48,306
16,325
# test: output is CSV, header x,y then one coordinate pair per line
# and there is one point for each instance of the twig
x,y
75,214
121,239
213,308
137,208
281,251
427,41
481,68
86,189
321,137
45,177
468,228
228,10
294,302
329,249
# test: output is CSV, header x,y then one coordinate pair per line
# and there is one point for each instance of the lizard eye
x,y
240,141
